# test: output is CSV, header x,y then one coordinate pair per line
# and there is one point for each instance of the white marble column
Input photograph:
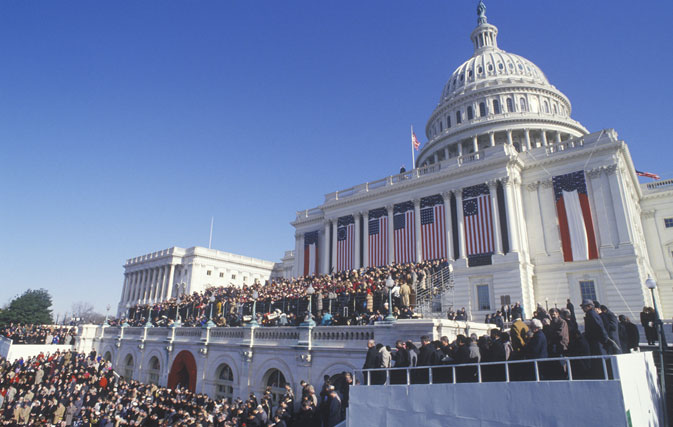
x,y
169,283
461,224
335,223
356,244
365,238
417,230
526,135
298,266
460,148
491,138
512,217
544,138
391,235
324,249
493,190
509,137
557,137
125,288
448,225
161,284
143,286
475,144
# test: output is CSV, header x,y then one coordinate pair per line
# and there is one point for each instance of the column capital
x,y
389,208
492,184
446,194
417,201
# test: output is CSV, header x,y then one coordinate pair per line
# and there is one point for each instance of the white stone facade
x,y
161,275
252,355
499,122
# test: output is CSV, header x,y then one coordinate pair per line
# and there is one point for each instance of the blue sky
x,y
125,126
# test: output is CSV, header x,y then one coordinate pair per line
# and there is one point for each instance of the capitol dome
x,y
496,97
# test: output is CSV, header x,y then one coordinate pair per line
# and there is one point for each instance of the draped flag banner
x,y
405,236
378,237
345,242
478,217
578,240
433,229
310,253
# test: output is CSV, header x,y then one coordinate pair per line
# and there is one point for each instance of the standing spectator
x,y
629,335
405,292
536,348
559,336
611,324
518,333
594,330
571,309
647,320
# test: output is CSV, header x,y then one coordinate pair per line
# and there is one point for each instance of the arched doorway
x,y
153,371
108,356
183,371
129,366
275,380
224,382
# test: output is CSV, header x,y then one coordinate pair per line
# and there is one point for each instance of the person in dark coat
x,y
647,319
559,336
594,329
571,309
334,408
372,353
536,348
611,324
426,354
628,334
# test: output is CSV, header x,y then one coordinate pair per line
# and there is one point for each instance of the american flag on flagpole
x,y
648,174
345,242
310,253
414,141
378,237
578,240
478,217
433,229
405,236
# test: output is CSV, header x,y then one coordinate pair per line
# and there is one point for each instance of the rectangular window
x,y
668,222
233,276
208,272
244,278
483,297
588,290
221,274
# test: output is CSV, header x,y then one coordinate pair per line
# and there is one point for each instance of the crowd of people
x,y
74,389
353,297
549,334
38,334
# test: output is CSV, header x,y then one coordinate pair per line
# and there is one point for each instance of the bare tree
x,y
84,312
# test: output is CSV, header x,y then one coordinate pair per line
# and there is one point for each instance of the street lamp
x,y
652,284
210,323
308,320
253,322
390,284
107,313
149,318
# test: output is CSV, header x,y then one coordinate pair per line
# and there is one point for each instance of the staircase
x,y
434,294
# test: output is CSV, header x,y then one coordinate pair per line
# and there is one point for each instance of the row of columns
x,y
491,139
362,217
148,285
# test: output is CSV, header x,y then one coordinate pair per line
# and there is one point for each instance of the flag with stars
x,y
377,242
345,242
310,253
433,229
404,232
478,218
578,240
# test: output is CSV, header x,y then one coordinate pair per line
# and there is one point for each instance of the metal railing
x,y
431,290
596,368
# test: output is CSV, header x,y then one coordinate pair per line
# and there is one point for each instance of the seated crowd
x,y
38,334
358,297
549,334
73,389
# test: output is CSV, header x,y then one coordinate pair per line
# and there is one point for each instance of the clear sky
x,y
126,125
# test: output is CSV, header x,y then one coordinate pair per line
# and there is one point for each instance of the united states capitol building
x,y
526,204
561,213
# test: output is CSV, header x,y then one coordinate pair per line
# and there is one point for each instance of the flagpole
x,y
210,240
413,155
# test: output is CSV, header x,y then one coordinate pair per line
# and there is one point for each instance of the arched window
x,y
128,367
470,114
108,356
458,118
510,105
482,109
153,371
522,103
496,106
275,380
546,107
555,110
224,382
441,126
448,122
